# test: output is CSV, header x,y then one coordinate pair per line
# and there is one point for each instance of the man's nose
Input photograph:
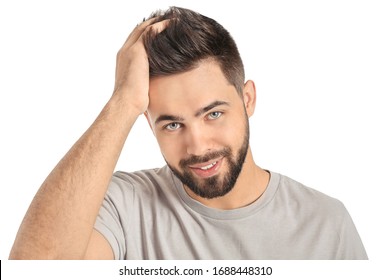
x,y
198,141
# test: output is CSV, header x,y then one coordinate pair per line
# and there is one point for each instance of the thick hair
x,y
188,39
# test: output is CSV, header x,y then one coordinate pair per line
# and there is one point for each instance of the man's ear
x,y
149,121
249,97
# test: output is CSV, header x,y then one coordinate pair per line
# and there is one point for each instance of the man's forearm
x,y
60,219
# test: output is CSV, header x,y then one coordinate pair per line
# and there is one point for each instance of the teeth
x,y
208,166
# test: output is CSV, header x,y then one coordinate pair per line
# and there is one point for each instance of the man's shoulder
x,y
147,180
140,175
305,198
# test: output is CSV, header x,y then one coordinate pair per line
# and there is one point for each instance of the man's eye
x,y
173,126
214,115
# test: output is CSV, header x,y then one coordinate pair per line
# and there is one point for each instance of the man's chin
x,y
210,188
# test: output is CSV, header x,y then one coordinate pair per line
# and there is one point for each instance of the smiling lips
x,y
207,169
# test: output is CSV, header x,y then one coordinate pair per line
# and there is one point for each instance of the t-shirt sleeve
x,y
351,246
112,220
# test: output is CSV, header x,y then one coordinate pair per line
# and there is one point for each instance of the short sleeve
x,y
112,220
350,246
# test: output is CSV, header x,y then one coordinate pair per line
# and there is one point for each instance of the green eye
x,y
214,115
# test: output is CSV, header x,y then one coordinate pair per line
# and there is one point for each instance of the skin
x,y
59,222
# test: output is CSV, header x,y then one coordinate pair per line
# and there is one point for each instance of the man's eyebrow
x,y
201,111
210,106
168,118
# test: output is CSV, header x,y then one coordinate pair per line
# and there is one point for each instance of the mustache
x,y
226,152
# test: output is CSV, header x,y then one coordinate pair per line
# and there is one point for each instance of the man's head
x,y
188,39
198,102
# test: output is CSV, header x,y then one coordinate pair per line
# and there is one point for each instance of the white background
x,y
322,71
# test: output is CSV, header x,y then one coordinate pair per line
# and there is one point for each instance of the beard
x,y
220,184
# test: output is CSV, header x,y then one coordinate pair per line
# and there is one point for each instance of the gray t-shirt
x,y
148,215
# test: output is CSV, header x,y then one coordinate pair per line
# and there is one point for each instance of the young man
x,y
183,71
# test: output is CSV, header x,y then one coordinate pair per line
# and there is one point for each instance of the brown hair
x,y
188,39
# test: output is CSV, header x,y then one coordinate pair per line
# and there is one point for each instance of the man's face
x,y
201,125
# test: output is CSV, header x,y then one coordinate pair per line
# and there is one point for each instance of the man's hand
x,y
132,66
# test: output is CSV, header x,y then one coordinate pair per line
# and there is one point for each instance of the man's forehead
x,y
206,75
190,92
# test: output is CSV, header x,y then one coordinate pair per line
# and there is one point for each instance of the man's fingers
x,y
137,31
158,26
143,27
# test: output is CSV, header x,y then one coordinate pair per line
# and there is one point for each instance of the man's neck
x,y
250,185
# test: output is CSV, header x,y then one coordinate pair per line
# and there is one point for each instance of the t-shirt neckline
x,y
233,214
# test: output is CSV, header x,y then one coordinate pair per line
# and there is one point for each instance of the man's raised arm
x,y
59,222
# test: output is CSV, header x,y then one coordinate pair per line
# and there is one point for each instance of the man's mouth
x,y
207,169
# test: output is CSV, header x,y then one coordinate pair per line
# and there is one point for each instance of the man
x,y
184,73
